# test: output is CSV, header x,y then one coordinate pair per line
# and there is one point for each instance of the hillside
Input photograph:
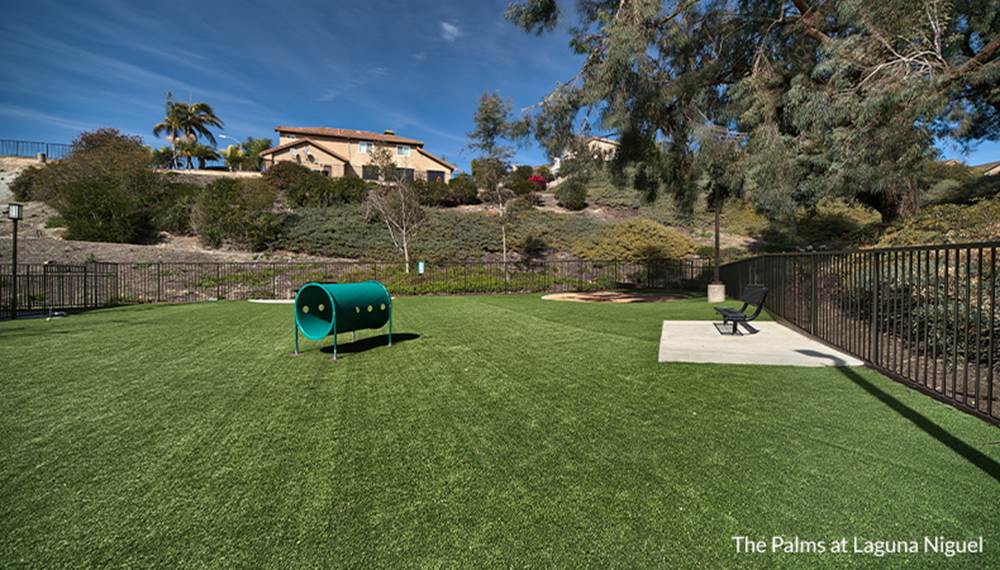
x,y
541,227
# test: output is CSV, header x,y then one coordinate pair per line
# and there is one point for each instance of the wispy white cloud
x,y
450,32
356,80
17,112
73,59
420,56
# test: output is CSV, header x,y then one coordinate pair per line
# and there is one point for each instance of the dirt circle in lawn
x,y
614,297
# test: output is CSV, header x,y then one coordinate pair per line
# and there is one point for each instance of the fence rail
x,y
925,315
93,285
31,149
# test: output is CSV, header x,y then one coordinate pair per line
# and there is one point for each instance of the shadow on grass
x,y
971,454
369,343
54,327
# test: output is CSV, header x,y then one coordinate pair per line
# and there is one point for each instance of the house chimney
x,y
389,132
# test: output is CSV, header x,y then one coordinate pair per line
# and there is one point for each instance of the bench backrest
x,y
754,295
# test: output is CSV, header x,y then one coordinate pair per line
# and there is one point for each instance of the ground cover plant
x,y
498,431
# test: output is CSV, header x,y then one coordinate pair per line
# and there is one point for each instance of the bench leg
x,y
736,326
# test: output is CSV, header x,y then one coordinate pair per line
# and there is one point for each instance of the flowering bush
x,y
538,181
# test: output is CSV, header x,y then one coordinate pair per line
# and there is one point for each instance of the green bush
x,y
29,184
282,175
545,172
532,246
55,222
517,181
108,210
461,190
637,239
172,207
303,187
430,193
238,212
105,191
572,194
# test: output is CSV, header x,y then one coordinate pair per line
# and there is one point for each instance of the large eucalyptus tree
x,y
823,97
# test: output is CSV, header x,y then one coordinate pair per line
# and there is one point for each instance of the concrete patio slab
x,y
776,344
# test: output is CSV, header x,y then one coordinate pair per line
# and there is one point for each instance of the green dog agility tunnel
x,y
328,309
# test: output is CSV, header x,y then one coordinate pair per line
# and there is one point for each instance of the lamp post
x,y
15,212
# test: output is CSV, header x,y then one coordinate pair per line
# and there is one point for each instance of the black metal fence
x,y
925,315
31,149
92,285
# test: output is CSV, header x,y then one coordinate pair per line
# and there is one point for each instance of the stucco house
x,y
600,148
346,152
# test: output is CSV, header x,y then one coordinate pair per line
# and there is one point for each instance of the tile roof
x,y
348,134
297,142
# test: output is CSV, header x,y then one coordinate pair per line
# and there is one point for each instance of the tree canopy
x,y
820,97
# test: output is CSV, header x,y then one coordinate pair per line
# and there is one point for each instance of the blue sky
x,y
414,66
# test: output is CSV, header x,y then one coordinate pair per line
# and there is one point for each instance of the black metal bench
x,y
752,295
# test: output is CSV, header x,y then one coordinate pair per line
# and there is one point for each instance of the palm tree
x,y
192,151
204,153
192,120
234,157
197,118
172,125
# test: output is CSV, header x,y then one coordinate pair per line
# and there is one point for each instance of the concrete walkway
x,y
701,341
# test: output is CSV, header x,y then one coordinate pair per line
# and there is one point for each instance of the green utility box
x,y
328,309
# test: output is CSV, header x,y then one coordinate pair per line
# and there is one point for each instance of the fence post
x,y
812,293
159,280
274,282
876,262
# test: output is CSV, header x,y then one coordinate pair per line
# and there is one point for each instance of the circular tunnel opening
x,y
314,311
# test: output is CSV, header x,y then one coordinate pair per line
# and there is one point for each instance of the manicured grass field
x,y
506,431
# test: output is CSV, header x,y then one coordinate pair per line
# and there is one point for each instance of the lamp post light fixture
x,y
15,212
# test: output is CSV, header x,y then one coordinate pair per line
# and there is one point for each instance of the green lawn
x,y
511,432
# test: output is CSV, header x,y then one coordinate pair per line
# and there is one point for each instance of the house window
x,y
287,136
435,176
405,174
367,147
402,150
369,172
327,171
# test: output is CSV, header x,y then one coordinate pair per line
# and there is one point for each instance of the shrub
x,y
303,187
238,212
162,157
532,246
545,172
173,205
123,214
29,184
518,181
108,173
462,190
572,194
430,193
637,239
283,174
349,190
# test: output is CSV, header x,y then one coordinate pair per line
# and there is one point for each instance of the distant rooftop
x,y
387,136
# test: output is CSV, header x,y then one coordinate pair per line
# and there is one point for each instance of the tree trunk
x,y
406,254
893,203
